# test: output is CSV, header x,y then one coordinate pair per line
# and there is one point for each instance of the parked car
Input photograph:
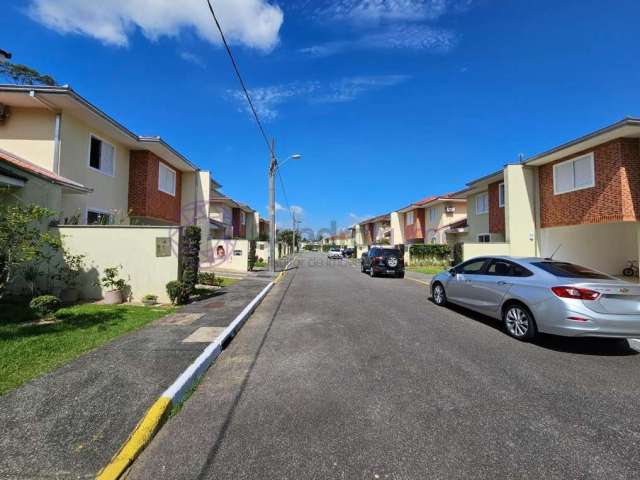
x,y
348,252
382,261
537,295
334,253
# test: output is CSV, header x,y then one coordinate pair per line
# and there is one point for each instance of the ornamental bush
x,y
45,305
434,252
178,292
191,257
207,278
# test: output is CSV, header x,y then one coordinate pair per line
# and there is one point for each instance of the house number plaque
x,y
163,246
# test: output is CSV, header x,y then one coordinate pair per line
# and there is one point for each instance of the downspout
x,y
195,196
56,143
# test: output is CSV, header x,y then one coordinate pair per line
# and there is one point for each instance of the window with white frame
x,y
410,218
574,174
482,203
243,218
102,155
501,195
167,179
99,217
433,215
484,238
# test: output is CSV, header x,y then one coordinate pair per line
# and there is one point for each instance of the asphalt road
x,y
341,376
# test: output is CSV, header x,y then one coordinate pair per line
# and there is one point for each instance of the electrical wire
x,y
241,80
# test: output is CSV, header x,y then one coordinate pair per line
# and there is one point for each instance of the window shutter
x,y
583,172
563,177
106,158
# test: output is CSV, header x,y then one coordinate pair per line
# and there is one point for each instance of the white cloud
x,y
267,100
378,10
192,58
397,37
297,210
253,23
348,89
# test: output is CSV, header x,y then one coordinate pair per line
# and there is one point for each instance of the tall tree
x,y
24,75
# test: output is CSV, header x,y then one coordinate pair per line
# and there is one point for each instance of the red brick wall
x,y
239,230
145,199
415,231
615,197
496,212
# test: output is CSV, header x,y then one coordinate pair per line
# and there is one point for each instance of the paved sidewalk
x,y
70,422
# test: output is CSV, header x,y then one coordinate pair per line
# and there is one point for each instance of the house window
x,y
167,180
433,217
97,217
484,238
575,174
410,218
482,203
102,156
243,218
501,195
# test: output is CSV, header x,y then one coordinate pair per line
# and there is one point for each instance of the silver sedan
x,y
537,295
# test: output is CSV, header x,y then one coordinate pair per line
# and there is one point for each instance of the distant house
x,y
580,200
428,220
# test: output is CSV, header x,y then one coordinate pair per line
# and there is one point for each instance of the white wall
x,y
606,247
133,247
226,255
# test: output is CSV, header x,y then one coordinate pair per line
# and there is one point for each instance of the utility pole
x,y
272,207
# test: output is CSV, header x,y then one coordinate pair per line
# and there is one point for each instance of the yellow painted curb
x,y
137,441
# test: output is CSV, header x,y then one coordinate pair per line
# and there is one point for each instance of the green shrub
x,y
45,305
178,292
152,299
434,252
191,257
207,278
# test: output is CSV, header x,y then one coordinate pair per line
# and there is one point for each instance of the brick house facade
x,y
496,212
145,198
615,197
415,231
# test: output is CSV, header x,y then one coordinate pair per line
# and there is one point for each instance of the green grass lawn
x,y
428,270
29,350
227,282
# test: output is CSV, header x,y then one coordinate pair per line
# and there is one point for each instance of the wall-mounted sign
x,y
163,246
237,253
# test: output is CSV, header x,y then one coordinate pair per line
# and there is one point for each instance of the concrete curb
x,y
156,415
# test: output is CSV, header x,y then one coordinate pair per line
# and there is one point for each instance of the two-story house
x,y
374,231
428,220
130,178
579,202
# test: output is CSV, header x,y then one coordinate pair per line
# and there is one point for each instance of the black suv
x,y
381,260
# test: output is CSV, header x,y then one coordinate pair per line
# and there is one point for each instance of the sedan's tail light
x,y
575,292
379,259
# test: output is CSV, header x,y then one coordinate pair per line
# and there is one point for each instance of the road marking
x,y
417,281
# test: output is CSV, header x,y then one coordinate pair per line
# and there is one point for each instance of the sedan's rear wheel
x,y
519,322
439,295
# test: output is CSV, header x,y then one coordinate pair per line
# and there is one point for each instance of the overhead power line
x,y
240,79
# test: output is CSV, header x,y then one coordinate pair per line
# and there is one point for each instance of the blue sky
x,y
389,101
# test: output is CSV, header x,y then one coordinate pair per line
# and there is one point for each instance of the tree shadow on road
x,y
612,347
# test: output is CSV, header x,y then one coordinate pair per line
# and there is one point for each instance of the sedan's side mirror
x,y
452,272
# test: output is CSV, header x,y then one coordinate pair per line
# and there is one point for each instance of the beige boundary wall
x,y
226,255
146,267
606,247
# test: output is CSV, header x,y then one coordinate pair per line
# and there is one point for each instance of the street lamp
x,y
273,169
